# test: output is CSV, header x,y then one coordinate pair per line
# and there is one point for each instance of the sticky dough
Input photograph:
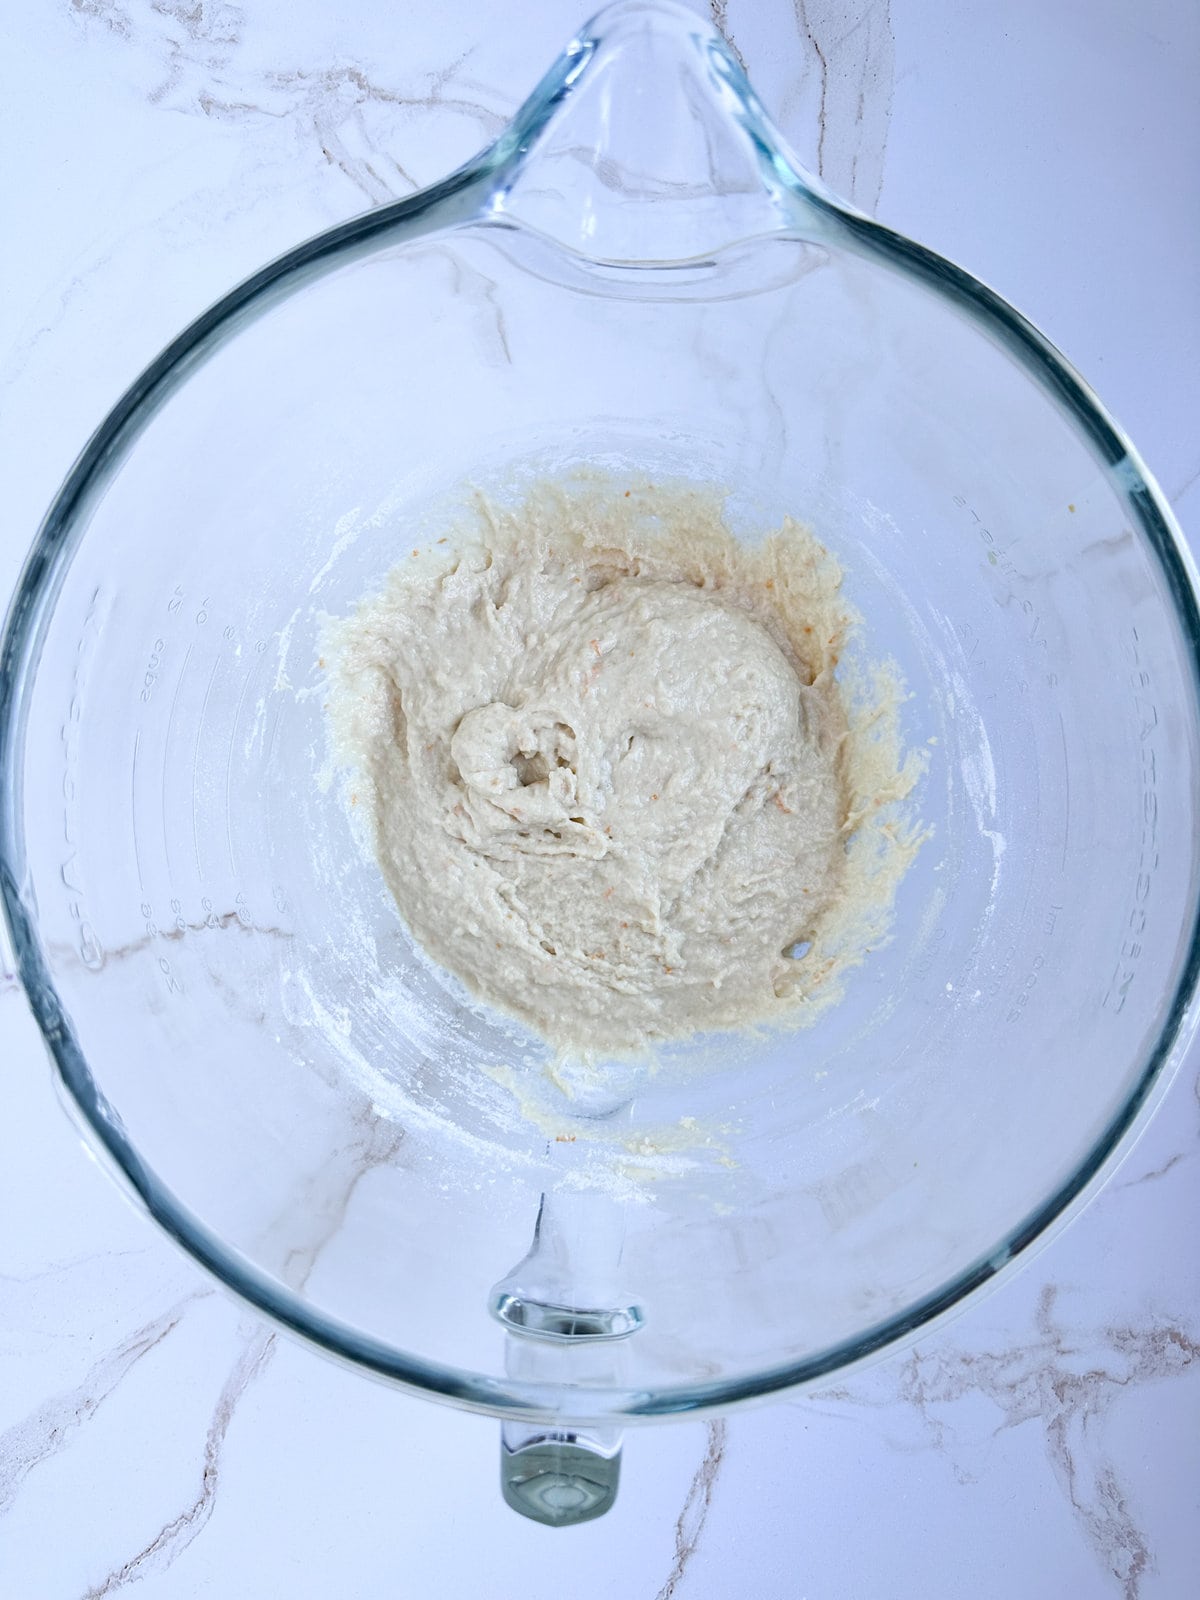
x,y
608,770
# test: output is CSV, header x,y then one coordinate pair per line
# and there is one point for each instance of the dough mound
x,y
607,766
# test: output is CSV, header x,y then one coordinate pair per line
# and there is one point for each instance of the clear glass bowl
x,y
637,274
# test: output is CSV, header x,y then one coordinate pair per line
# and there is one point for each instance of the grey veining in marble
x,y
50,1426
175,1535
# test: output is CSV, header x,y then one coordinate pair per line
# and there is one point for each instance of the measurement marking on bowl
x,y
237,717
1066,790
1133,930
137,857
196,765
166,756
71,868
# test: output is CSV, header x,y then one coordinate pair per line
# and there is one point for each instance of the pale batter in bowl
x,y
612,778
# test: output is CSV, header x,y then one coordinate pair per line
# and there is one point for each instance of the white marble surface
x,y
1044,1444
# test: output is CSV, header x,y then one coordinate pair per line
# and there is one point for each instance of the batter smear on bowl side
x,y
610,773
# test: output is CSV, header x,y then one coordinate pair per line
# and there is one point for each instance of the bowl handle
x,y
559,1476
566,1323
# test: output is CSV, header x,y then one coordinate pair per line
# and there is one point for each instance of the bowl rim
x,y
469,197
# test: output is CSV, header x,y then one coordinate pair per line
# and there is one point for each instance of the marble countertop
x,y
152,1435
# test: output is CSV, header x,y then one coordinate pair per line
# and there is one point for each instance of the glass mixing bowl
x,y
636,275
